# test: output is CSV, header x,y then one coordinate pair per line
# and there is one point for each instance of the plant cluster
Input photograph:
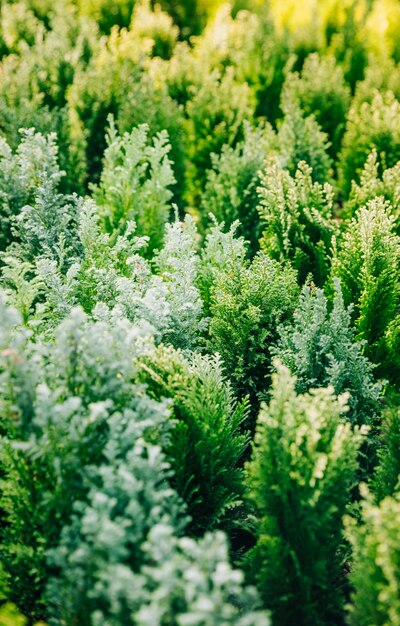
x,y
199,313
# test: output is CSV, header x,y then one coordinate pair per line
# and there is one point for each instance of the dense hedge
x,y
199,313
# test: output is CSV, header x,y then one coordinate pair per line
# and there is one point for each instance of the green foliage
x,y
319,349
177,264
221,252
375,181
21,175
303,467
59,401
248,302
106,15
375,571
156,25
134,183
322,91
216,113
370,125
144,103
300,138
86,491
181,581
133,365
48,226
206,443
297,218
230,192
97,91
387,473
367,262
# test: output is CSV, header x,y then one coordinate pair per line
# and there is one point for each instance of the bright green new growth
x,y
296,216
247,304
302,469
319,349
135,182
367,262
207,444
375,574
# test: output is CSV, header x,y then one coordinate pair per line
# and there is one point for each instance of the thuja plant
x,y
367,262
248,302
177,264
47,227
106,274
300,138
86,497
222,251
385,480
231,188
299,478
370,125
216,113
21,173
373,183
296,217
208,441
135,182
58,402
319,348
375,571
323,92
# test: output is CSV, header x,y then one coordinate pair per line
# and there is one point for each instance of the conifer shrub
x,y
151,22
230,192
296,216
135,183
208,441
375,571
248,302
146,103
385,481
93,530
177,264
97,91
34,85
106,15
370,125
299,478
300,138
18,27
322,92
22,173
367,263
375,181
382,74
221,252
319,348
107,275
58,401
216,113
